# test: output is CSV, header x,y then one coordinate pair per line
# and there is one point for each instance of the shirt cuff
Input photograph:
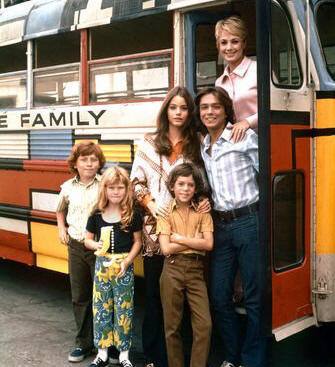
x,y
253,121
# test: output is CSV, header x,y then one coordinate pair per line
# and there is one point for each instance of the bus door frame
x,y
299,316
263,77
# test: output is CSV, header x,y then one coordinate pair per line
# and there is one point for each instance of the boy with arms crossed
x,y
184,236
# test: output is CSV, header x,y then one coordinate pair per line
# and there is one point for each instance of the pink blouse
x,y
241,85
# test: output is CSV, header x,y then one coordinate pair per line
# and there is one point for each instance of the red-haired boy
x,y
76,200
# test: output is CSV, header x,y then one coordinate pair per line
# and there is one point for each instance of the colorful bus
x,y
73,70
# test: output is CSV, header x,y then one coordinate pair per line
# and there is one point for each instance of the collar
x,y
224,136
97,178
179,142
240,69
175,205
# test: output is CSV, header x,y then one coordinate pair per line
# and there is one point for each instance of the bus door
x,y
202,63
290,122
202,69
324,137
289,150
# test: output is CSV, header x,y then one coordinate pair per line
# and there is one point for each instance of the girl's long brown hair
x,y
115,175
191,142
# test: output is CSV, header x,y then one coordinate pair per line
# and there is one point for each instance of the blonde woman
x,y
114,233
239,78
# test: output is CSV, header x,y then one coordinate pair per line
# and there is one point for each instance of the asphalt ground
x,y
37,326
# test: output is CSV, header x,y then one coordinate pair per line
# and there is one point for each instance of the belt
x,y
193,256
230,215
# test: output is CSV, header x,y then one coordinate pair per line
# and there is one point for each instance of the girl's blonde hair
x,y
234,25
111,176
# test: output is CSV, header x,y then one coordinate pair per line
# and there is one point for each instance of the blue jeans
x,y
236,246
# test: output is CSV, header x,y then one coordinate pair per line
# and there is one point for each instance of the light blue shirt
x,y
232,170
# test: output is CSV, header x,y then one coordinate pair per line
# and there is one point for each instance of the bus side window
x,y
56,71
325,15
13,64
288,219
208,67
131,60
285,67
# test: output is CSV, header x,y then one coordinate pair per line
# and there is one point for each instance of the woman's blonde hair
x,y
234,25
111,176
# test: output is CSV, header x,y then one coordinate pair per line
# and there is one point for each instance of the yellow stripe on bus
x,y
113,152
50,253
117,153
77,141
325,179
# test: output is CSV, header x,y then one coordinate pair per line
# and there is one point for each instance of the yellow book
x,y
105,239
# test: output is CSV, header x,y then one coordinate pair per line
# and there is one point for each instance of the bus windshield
x,y
325,15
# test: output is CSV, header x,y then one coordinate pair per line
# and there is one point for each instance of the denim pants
x,y
236,246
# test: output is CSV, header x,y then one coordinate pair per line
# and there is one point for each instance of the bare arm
x,y
62,229
135,249
204,242
90,243
157,210
238,130
204,206
169,248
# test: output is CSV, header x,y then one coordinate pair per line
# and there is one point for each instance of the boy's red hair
x,y
85,148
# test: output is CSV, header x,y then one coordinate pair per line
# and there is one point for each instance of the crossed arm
x,y
174,243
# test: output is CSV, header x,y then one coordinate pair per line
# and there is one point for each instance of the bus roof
x,y
38,18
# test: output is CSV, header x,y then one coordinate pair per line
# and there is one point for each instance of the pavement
x,y
36,322
37,326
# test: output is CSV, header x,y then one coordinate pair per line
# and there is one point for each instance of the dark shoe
x,y
79,354
126,363
150,365
98,362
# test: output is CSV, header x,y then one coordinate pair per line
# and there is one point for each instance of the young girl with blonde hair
x,y
114,233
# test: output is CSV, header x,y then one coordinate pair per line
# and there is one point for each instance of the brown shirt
x,y
186,223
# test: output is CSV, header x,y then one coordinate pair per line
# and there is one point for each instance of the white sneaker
x,y
126,363
114,361
227,364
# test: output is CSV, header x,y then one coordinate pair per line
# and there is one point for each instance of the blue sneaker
x,y
79,354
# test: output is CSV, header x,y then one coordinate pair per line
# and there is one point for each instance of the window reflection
x,y
288,219
324,17
13,90
284,61
133,78
56,86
